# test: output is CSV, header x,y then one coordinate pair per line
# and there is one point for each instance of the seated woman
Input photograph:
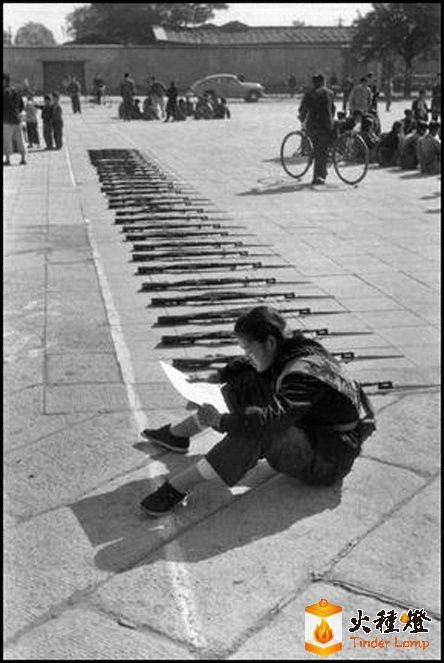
x,y
203,109
136,113
148,111
290,402
221,110
368,134
408,149
189,106
388,148
181,110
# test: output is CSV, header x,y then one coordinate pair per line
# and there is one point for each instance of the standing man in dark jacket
x,y
172,102
74,89
318,110
127,92
12,127
57,121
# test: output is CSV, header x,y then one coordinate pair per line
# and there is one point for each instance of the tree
x,y
34,34
398,29
99,23
7,37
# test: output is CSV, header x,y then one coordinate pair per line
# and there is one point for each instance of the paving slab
x,y
70,461
81,634
26,421
403,438
403,538
282,633
78,367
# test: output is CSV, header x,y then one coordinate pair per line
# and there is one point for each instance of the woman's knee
x,y
233,457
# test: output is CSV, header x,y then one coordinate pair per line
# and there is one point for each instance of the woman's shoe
x,y
164,438
162,500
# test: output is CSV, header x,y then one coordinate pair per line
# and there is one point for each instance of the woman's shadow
x,y
214,521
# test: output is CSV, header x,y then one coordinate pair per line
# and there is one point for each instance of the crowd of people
x,y
164,104
413,141
20,121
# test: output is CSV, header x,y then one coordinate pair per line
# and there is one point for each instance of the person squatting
x,y
290,402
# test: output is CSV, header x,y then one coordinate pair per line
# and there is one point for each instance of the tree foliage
x,y
34,34
117,23
408,30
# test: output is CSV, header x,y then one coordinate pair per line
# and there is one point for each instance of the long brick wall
x,y
270,64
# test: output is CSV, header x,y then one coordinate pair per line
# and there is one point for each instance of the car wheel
x,y
253,96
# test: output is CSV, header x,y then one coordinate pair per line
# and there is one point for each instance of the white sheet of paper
x,y
196,392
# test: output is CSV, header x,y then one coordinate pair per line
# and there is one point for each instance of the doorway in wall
x,y
56,75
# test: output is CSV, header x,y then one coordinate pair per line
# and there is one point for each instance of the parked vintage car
x,y
228,86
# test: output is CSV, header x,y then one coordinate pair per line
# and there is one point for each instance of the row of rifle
x,y
175,231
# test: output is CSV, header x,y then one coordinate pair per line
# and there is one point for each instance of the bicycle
x,y
348,153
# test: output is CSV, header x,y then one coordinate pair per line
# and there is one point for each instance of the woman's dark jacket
x,y
305,387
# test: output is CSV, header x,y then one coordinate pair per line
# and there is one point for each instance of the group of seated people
x,y
207,107
409,144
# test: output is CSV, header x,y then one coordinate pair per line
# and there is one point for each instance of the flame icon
x,y
323,633
404,618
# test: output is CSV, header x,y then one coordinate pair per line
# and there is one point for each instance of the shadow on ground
x,y
290,188
127,538
416,176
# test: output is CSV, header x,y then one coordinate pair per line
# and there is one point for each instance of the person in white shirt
x,y
360,97
31,122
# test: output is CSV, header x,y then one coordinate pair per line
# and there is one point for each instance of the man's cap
x,y
318,76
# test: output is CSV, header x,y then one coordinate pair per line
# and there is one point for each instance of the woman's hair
x,y
259,323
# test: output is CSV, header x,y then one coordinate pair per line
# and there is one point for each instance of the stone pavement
x,y
87,576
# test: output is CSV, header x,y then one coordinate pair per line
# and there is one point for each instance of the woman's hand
x,y
208,415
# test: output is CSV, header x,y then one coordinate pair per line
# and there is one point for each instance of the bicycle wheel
x,y
350,158
296,154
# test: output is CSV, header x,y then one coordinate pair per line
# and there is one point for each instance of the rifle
x,y
197,364
388,385
139,205
229,337
205,266
195,284
184,255
229,315
141,196
164,234
191,244
212,297
142,236
128,216
124,186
